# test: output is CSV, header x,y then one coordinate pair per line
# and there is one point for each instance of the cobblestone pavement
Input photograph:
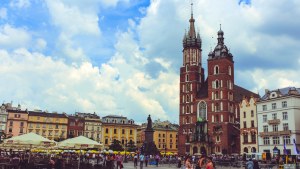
x,y
130,165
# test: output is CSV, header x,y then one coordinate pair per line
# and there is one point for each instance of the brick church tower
x,y
208,107
191,80
221,105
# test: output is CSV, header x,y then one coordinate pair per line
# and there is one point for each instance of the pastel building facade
x,y
278,114
16,122
248,125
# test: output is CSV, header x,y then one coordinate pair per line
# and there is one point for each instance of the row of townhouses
x,y
59,126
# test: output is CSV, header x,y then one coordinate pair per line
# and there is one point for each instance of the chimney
x,y
266,91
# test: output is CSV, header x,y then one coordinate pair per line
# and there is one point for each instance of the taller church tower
x,y
191,80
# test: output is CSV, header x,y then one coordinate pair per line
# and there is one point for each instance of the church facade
x,y
208,105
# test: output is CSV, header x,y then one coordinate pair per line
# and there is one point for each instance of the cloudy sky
x,y
123,56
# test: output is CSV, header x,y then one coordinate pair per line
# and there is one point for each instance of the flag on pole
x,y
295,147
284,148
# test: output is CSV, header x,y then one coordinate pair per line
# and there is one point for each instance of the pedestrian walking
x,y
188,164
157,159
146,160
142,158
135,159
250,164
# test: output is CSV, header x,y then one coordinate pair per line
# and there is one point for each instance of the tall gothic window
x,y
216,70
202,110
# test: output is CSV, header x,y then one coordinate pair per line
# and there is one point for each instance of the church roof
x,y
240,93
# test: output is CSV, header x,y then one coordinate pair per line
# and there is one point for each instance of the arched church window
x,y
187,98
202,110
187,109
216,70
217,84
187,78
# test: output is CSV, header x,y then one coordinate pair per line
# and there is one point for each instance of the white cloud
x,y
11,37
71,20
20,3
3,13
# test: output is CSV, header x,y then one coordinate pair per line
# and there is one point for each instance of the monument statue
x,y
148,147
149,125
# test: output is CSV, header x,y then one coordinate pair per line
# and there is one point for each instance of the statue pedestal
x,y
149,135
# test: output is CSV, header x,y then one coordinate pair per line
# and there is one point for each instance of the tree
x,y
116,146
131,146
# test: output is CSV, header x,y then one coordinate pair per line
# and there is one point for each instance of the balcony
x,y
275,133
275,121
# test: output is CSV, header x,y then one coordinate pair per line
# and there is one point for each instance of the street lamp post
x,y
125,157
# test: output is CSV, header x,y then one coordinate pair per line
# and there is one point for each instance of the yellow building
x,y
165,136
50,125
118,128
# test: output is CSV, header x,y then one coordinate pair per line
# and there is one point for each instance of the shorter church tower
x,y
221,98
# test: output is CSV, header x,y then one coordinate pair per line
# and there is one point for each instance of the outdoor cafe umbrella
x,y
79,142
29,139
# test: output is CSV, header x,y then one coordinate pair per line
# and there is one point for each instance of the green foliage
x,y
116,146
131,146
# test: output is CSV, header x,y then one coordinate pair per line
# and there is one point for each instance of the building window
x,y
265,118
253,138
274,116
286,139
106,141
123,131
187,98
275,127
244,114
106,130
266,140
187,78
229,70
217,84
264,107
171,136
252,123
273,106
285,126
245,124
218,138
246,138
276,140
11,123
22,124
130,132
216,70
115,131
10,130
56,126
284,116
159,134
163,135
265,128
252,113
284,104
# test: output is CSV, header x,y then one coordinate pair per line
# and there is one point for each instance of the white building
x,y
278,115
248,125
